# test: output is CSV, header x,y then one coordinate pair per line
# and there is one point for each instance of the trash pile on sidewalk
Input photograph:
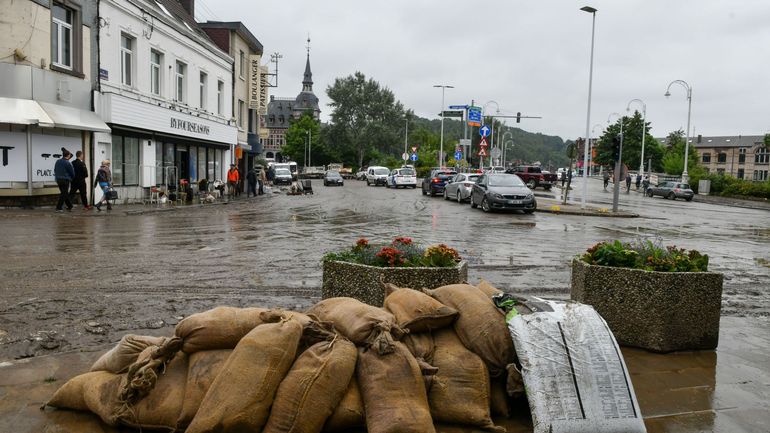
x,y
442,356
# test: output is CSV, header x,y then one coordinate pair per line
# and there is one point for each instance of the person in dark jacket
x,y
628,183
270,175
64,173
79,182
104,180
251,178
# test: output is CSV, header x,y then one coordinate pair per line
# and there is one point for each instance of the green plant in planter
x,y
401,252
646,255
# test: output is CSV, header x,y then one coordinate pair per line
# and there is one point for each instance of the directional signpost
x,y
458,155
485,130
452,113
413,157
458,107
474,116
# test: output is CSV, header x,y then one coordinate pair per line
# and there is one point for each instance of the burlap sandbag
x,y
480,326
349,413
315,385
203,368
460,391
241,395
417,311
71,395
395,400
125,353
218,328
488,289
498,402
274,315
421,346
361,323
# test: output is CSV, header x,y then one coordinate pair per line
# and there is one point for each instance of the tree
x,y
297,138
673,159
632,144
365,116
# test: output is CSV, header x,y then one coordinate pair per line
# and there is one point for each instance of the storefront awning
x,y
23,112
73,118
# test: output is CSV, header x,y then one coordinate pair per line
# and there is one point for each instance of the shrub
x,y
647,255
401,252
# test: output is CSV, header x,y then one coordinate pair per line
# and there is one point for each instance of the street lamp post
x,y
507,133
618,165
644,130
685,177
492,133
406,136
505,151
441,149
592,11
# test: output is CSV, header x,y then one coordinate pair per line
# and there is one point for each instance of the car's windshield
x,y
380,171
283,172
684,186
505,180
445,176
332,174
406,172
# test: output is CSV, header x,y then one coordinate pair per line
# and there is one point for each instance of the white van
x,y
377,175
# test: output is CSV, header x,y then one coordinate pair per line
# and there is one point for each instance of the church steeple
x,y
307,82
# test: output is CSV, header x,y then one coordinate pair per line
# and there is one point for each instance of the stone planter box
x,y
363,282
657,311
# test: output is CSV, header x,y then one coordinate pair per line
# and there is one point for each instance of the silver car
x,y
502,191
460,186
671,190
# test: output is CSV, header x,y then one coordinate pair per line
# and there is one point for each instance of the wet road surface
x,y
73,281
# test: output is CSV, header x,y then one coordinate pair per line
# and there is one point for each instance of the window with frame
x,y
220,97
240,113
63,20
721,171
125,160
740,173
241,64
202,90
762,156
180,71
126,59
721,158
760,175
742,156
706,157
156,60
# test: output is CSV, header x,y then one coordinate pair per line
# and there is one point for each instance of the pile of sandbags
x,y
426,358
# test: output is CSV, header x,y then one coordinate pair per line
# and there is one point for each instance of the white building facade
x,y
166,92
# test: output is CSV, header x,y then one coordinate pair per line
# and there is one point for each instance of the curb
x,y
591,213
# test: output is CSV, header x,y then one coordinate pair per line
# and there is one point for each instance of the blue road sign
x,y
458,156
474,114
484,131
458,107
413,157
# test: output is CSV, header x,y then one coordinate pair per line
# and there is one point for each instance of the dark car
x,y
671,190
502,191
435,183
333,178
282,176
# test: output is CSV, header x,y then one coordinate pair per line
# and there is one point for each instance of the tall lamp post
x,y
644,130
406,136
685,177
618,165
591,11
441,150
505,151
506,134
492,133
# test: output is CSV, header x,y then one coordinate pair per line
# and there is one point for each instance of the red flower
x,y
402,241
391,256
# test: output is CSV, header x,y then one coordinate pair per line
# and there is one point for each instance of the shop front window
x,y
130,161
193,164
169,171
117,160
218,164
202,163
211,172
158,163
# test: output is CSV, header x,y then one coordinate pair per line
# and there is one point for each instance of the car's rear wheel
x,y
446,197
473,203
671,196
459,198
423,191
649,193
531,184
485,205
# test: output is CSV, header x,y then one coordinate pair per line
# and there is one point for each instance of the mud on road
x,y
80,280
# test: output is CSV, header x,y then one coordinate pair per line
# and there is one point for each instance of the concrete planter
x,y
363,282
657,311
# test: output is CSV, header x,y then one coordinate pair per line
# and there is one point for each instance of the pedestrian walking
x,y
233,177
569,178
638,181
64,173
645,183
606,179
251,178
270,176
628,183
104,180
79,182
262,180
563,178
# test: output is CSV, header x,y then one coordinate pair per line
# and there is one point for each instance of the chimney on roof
x,y
189,6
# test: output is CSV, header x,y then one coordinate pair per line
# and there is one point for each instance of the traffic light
x,y
616,148
518,117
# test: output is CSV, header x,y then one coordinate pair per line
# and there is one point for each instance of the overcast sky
x,y
532,56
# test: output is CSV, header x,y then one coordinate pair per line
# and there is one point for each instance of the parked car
x,y
282,176
402,177
434,184
502,191
671,190
377,175
361,174
333,178
533,176
459,188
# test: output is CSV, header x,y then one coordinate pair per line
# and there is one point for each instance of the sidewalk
x,y
722,391
733,202
555,206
